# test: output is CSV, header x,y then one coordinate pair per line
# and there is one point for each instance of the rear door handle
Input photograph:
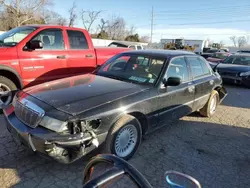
x,y
88,55
191,89
61,57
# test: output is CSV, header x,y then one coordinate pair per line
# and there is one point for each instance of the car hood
x,y
233,68
77,94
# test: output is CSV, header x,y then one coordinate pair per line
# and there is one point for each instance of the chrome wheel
x,y
5,97
125,141
213,104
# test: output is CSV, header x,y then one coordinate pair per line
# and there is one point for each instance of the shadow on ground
x,y
217,155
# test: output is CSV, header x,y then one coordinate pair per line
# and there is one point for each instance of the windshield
x,y
238,60
133,68
14,36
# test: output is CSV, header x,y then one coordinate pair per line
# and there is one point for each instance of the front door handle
x,y
88,55
61,57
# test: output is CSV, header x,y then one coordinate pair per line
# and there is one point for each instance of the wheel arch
x,y
12,74
142,119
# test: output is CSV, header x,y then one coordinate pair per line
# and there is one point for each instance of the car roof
x,y
50,26
241,54
159,52
126,43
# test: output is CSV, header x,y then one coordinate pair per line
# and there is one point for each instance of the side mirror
x,y
34,44
172,81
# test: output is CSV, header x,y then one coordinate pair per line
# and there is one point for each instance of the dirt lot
x,y
216,151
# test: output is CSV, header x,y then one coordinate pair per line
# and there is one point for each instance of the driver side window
x,y
52,39
178,68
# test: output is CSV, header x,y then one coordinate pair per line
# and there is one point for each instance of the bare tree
x,y
242,41
88,18
145,39
102,25
116,28
72,15
234,40
132,30
23,11
51,17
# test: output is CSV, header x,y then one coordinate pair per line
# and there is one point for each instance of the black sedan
x,y
132,94
235,69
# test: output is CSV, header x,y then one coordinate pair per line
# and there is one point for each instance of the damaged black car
x,y
132,94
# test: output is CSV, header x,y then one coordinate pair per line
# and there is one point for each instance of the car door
x,y
81,56
176,101
44,64
203,80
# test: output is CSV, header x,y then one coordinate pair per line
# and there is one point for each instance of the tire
x,y
208,110
126,125
6,85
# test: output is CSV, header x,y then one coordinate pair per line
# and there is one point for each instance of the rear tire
x,y
124,137
210,107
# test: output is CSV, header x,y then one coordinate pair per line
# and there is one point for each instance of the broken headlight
x,y
53,124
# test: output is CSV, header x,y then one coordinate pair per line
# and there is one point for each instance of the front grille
x,y
28,113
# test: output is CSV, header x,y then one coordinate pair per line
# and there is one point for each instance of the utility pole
x,y
152,25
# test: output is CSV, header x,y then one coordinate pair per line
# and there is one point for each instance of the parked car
x,y
218,57
126,44
235,69
210,52
38,53
243,51
132,94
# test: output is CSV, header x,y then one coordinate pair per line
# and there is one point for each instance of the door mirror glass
x,y
172,81
34,44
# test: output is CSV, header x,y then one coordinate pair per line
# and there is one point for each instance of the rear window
x,y
77,40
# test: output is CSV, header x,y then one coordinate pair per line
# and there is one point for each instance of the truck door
x,y
81,54
48,63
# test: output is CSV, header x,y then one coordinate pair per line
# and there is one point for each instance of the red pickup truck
x,y
34,54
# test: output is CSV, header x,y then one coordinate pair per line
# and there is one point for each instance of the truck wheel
x,y
209,109
6,85
124,137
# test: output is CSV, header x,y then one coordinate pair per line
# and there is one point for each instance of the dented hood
x,y
74,95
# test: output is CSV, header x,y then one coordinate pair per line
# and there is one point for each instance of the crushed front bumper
x,y
62,148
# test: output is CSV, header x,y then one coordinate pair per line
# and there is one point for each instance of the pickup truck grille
x,y
28,113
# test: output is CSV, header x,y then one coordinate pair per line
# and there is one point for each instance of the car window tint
x,y
242,60
139,47
51,39
205,66
178,68
196,67
132,47
135,68
229,59
77,40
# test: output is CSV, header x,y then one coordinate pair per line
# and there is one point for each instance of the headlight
x,y
245,73
53,124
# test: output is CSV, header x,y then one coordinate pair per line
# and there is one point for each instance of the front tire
x,y
6,85
210,107
124,137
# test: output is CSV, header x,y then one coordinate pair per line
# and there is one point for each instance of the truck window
x,y
77,40
52,39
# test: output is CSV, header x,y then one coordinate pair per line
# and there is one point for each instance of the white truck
x,y
198,45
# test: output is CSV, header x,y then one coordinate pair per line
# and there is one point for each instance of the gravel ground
x,y
215,151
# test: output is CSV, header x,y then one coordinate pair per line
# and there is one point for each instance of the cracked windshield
x,y
107,93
